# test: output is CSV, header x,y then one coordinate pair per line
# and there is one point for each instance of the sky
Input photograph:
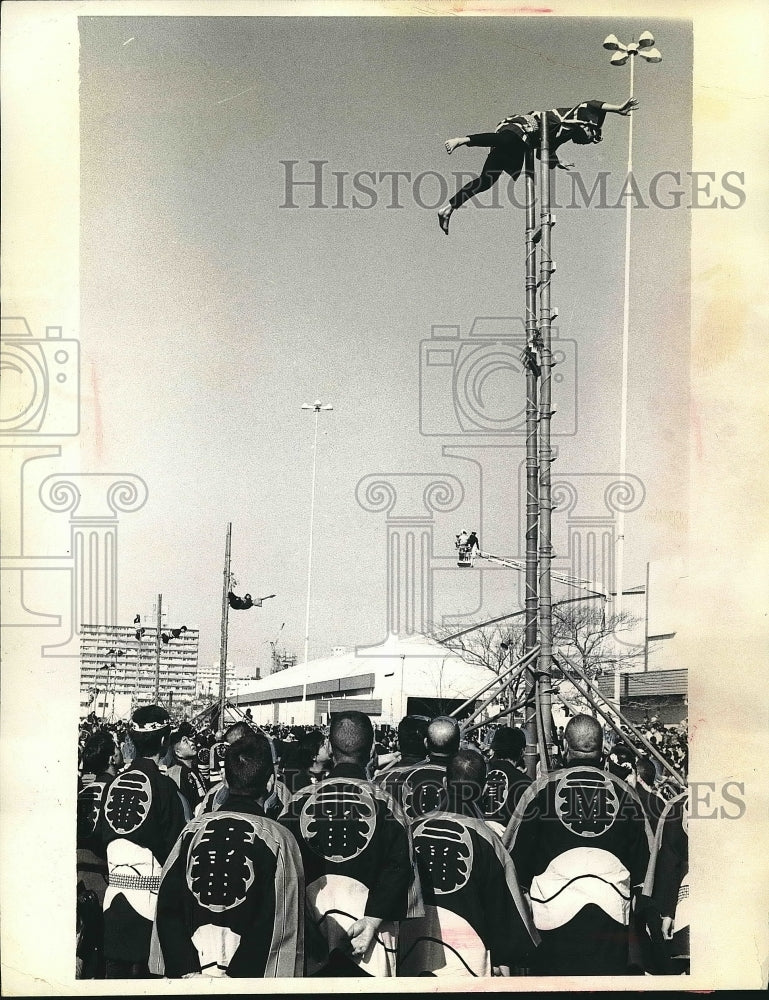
x,y
210,311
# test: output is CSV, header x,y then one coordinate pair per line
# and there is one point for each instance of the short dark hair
x,y
621,760
237,731
177,735
149,744
352,735
646,770
309,747
98,750
584,737
248,764
509,742
412,730
466,775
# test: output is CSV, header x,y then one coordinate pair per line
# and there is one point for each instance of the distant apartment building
x,y
207,684
207,679
117,668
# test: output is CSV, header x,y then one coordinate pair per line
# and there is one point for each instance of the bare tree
x,y
495,647
582,630
586,633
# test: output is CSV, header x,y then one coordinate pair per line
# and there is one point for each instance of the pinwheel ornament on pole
x,y
644,47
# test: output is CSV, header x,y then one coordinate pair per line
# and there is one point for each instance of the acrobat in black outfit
x,y
508,143
244,603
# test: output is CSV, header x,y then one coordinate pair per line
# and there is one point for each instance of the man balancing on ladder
x,y
508,143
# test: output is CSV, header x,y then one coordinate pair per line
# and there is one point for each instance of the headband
x,y
149,727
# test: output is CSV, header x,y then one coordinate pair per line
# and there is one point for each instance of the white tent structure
x,y
411,674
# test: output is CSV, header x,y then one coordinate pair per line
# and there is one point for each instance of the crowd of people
x,y
277,851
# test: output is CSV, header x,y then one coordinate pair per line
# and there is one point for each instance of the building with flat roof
x,y
404,675
652,680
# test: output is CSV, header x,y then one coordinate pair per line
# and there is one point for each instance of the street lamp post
x,y
226,585
645,48
317,406
106,694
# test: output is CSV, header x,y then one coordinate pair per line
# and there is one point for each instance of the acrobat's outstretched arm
x,y
621,109
452,144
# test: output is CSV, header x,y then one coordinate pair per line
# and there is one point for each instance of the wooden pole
x,y
225,620
532,466
309,552
500,715
545,454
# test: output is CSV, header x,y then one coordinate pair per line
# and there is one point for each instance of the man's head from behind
x,y
248,765
99,752
237,731
646,771
584,740
442,739
352,737
412,730
621,761
508,743
149,730
465,778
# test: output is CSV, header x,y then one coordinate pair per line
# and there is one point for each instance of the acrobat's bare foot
x,y
451,144
443,218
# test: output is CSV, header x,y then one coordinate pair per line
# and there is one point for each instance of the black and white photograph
x,y
384,450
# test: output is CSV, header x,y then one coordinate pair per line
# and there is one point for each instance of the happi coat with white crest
x,y
231,898
141,815
580,844
476,916
358,861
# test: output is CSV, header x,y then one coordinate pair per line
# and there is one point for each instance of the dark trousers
x,y
506,157
128,970
340,966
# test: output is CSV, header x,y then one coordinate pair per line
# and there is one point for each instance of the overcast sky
x,y
210,313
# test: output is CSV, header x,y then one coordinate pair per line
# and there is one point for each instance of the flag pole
x,y
225,619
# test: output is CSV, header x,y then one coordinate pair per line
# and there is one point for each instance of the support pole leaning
x,y
497,679
649,747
